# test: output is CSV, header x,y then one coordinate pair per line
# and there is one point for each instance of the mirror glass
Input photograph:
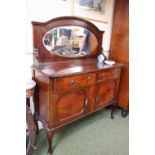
x,y
70,41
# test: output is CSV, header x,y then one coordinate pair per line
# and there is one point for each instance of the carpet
x,y
96,134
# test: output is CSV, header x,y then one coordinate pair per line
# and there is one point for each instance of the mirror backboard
x,y
70,41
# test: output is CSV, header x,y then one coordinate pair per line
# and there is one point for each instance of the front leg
x,y
36,123
124,113
50,136
113,109
35,110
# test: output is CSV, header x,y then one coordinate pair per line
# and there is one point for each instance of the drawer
x,y
108,74
71,82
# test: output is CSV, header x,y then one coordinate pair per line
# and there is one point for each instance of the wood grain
x,y
119,50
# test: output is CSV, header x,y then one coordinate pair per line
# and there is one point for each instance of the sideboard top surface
x,y
63,68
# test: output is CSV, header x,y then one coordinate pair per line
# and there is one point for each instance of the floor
x,y
96,134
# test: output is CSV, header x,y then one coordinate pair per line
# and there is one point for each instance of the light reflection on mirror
x,y
70,41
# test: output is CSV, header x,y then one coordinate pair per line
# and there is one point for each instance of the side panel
x,y
119,50
123,92
43,95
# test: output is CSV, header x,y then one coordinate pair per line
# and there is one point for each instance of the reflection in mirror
x,y
70,41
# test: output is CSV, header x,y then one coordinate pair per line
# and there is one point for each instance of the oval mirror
x,y
70,41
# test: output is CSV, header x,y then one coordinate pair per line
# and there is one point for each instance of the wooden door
x,y
105,93
70,105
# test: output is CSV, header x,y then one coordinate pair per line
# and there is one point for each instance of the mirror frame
x,y
41,54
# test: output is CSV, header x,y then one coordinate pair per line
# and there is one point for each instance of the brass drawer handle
x,y
89,78
86,102
72,82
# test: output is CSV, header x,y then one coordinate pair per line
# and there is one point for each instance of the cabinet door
x,y
70,105
105,93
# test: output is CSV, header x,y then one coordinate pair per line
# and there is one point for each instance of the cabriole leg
x,y
113,109
50,136
36,123
35,116
124,113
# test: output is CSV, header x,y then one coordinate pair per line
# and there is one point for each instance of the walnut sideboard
x,y
69,88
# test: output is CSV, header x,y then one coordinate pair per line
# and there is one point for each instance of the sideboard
x,y
69,88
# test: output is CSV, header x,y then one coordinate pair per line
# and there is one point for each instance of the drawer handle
x,y
89,78
72,82
86,102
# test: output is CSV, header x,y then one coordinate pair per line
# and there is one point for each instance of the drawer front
x,y
108,74
72,82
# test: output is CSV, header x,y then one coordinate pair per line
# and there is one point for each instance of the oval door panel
x,y
106,92
70,105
